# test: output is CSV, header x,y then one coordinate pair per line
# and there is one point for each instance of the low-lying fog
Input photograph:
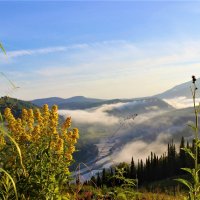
x,y
181,102
122,125
126,135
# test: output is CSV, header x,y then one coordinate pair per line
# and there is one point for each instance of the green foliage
x,y
2,48
46,149
126,182
121,196
194,184
7,182
15,105
7,185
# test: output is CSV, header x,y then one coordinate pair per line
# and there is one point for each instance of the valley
x,y
112,131
122,128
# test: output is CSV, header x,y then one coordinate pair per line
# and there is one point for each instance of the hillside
x,y
80,102
50,101
15,105
179,97
109,127
128,136
98,119
181,90
77,102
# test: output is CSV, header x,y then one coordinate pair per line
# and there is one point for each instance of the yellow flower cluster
x,y
37,124
21,128
2,141
71,139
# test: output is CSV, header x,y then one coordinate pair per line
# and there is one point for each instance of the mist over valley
x,y
112,131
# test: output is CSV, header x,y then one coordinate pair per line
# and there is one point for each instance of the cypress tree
x,y
132,169
103,178
99,184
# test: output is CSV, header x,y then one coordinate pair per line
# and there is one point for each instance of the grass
x,y
118,193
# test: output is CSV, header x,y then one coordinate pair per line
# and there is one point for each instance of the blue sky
x,y
101,49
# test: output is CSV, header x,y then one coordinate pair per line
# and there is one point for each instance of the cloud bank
x,y
141,149
101,114
95,115
107,69
181,102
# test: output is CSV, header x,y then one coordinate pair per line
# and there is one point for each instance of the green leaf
x,y
1,47
198,143
193,127
185,182
17,147
198,167
1,118
191,171
189,151
13,183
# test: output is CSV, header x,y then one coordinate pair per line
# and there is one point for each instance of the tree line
x,y
153,168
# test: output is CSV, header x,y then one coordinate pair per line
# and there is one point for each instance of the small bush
x,y
46,149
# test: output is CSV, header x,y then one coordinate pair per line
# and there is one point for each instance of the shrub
x,y
46,148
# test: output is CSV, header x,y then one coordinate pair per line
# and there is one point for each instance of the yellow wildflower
x,y
30,116
2,141
45,114
71,149
53,120
52,145
75,133
24,115
67,123
38,117
36,133
59,146
10,119
68,156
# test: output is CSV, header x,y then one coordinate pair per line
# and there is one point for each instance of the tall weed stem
x,y
193,185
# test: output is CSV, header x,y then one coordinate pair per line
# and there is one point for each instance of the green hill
x,y
15,105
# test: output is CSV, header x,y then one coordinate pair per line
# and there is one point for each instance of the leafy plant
x,y
46,149
7,180
127,184
1,47
194,184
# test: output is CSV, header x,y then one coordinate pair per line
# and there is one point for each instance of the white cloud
x,y
14,54
110,69
121,58
47,50
141,150
97,115
100,114
181,102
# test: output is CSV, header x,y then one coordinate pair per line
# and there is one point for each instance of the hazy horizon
x,y
97,49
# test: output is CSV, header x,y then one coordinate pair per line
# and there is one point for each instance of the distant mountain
x,y
77,102
15,105
50,101
82,99
86,104
81,102
182,90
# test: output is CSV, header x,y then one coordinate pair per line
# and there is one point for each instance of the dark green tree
x,y
99,183
132,169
